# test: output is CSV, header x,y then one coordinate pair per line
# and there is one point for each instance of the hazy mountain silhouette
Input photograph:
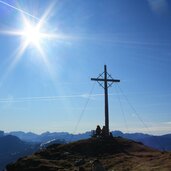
x,y
11,148
1,133
28,137
114,153
47,136
162,142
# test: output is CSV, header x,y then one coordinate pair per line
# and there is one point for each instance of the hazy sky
x,y
45,86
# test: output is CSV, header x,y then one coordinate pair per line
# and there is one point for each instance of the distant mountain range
x,y
47,136
14,145
162,142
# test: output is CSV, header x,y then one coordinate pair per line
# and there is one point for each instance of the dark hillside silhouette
x,y
114,153
11,148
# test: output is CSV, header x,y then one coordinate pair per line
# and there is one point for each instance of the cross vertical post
x,y
106,101
107,82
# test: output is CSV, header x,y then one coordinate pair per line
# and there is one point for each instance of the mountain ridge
x,y
114,153
161,142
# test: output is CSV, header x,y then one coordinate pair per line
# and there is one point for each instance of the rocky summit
x,y
114,154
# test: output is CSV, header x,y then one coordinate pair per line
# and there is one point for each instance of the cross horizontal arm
x,y
101,79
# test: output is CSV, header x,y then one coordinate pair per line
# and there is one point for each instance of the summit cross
x,y
107,80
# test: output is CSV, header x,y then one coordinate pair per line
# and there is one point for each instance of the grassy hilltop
x,y
115,154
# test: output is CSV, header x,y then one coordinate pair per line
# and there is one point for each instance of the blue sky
x,y
48,92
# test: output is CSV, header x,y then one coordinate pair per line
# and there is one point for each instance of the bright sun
x,y
32,34
36,33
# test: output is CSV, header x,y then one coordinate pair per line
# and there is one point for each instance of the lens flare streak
x,y
31,36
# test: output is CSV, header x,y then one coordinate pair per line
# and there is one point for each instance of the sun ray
x,y
30,35
17,57
45,15
46,63
11,32
34,34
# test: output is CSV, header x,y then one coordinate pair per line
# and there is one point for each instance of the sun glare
x,y
37,33
32,35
